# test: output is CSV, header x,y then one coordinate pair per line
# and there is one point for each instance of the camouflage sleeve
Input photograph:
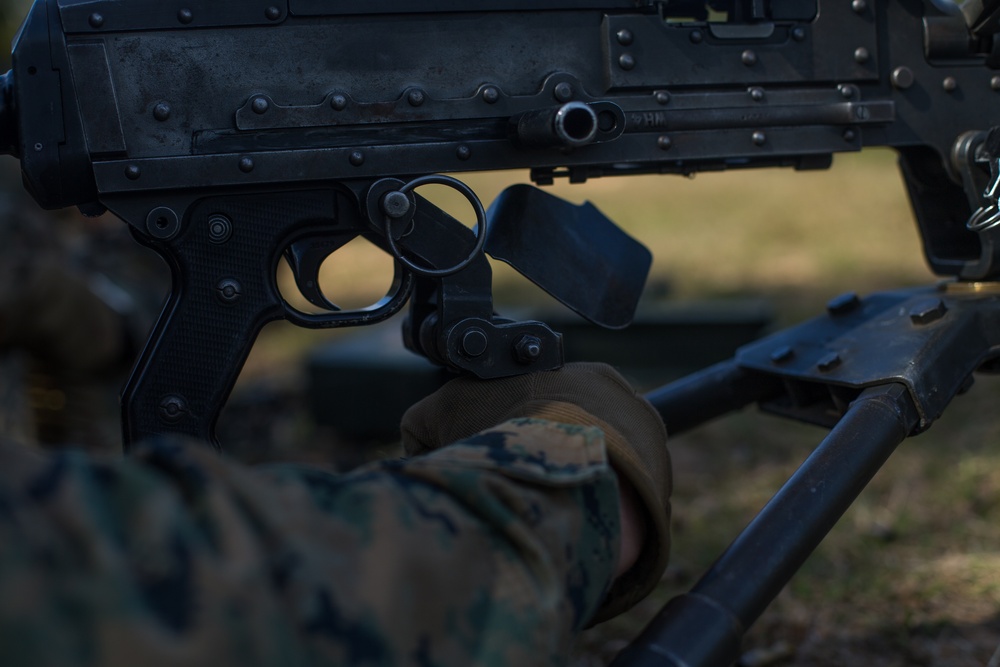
x,y
494,551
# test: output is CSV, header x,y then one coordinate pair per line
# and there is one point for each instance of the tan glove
x,y
589,394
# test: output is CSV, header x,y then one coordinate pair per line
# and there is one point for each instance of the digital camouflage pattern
x,y
494,551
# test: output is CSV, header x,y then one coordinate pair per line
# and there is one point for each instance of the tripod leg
x,y
705,627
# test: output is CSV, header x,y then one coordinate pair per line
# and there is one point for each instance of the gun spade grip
x,y
224,291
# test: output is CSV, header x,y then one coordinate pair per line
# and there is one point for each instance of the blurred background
x,y
910,576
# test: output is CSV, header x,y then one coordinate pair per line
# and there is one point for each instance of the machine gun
x,y
229,134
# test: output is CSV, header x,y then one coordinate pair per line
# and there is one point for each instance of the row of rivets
x,y
184,16
246,164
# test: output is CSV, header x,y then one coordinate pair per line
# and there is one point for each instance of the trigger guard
x,y
394,300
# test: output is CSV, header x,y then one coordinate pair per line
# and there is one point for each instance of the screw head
x,y
463,152
272,13
228,290
757,94
758,138
491,94
357,158
861,55
172,408
664,142
799,34
185,16
696,36
748,58
624,36
859,6
950,84
626,61
246,164
96,20
132,172
995,83
661,97
338,102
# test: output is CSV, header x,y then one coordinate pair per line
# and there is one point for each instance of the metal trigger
x,y
305,257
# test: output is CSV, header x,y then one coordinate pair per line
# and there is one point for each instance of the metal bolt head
x,y
799,34
696,36
843,304
850,135
626,61
927,311
859,6
272,13
662,97
664,143
902,77
474,342
624,36
395,204
491,94
357,158
246,164
757,94
847,91
748,58
995,83
861,55
185,16
758,138
950,84
563,92
96,20
463,152
338,102
132,172
527,348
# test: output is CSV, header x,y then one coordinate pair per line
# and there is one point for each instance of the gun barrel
x,y
572,124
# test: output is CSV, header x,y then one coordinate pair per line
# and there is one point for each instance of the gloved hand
x,y
590,394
